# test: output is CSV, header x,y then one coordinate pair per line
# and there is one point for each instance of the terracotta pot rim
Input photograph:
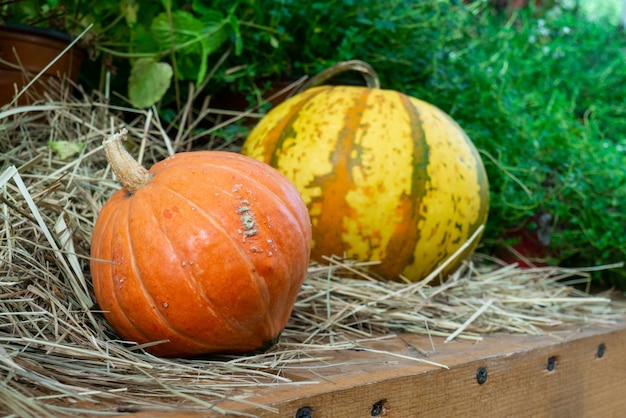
x,y
36,48
33,30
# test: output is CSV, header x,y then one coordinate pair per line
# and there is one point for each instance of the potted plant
x,y
34,36
154,45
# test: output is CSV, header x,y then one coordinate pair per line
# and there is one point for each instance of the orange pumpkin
x,y
206,250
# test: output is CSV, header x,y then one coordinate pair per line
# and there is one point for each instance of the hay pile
x,y
59,356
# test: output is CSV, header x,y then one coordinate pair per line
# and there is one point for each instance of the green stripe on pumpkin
x,y
399,251
283,129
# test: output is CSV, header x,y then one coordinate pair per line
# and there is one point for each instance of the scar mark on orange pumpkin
x,y
169,214
247,222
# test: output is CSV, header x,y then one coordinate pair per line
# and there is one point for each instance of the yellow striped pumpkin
x,y
386,177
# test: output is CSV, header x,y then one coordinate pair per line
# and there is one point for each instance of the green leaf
x,y
148,82
234,24
211,19
201,8
66,149
185,30
129,9
191,39
274,42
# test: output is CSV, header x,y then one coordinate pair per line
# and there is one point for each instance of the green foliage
x,y
306,37
175,34
193,39
48,14
148,82
182,35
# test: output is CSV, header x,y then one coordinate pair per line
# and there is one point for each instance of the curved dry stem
x,y
371,78
131,175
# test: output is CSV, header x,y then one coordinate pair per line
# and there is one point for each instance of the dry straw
x,y
59,356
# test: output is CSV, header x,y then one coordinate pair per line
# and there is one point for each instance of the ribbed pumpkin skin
x,y
173,260
386,177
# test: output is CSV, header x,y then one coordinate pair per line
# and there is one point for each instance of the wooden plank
x,y
574,373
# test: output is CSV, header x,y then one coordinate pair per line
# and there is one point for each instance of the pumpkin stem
x,y
371,78
131,175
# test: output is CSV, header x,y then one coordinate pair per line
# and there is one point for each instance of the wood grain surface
x,y
571,373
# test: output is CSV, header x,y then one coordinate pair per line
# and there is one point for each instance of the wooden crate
x,y
571,373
